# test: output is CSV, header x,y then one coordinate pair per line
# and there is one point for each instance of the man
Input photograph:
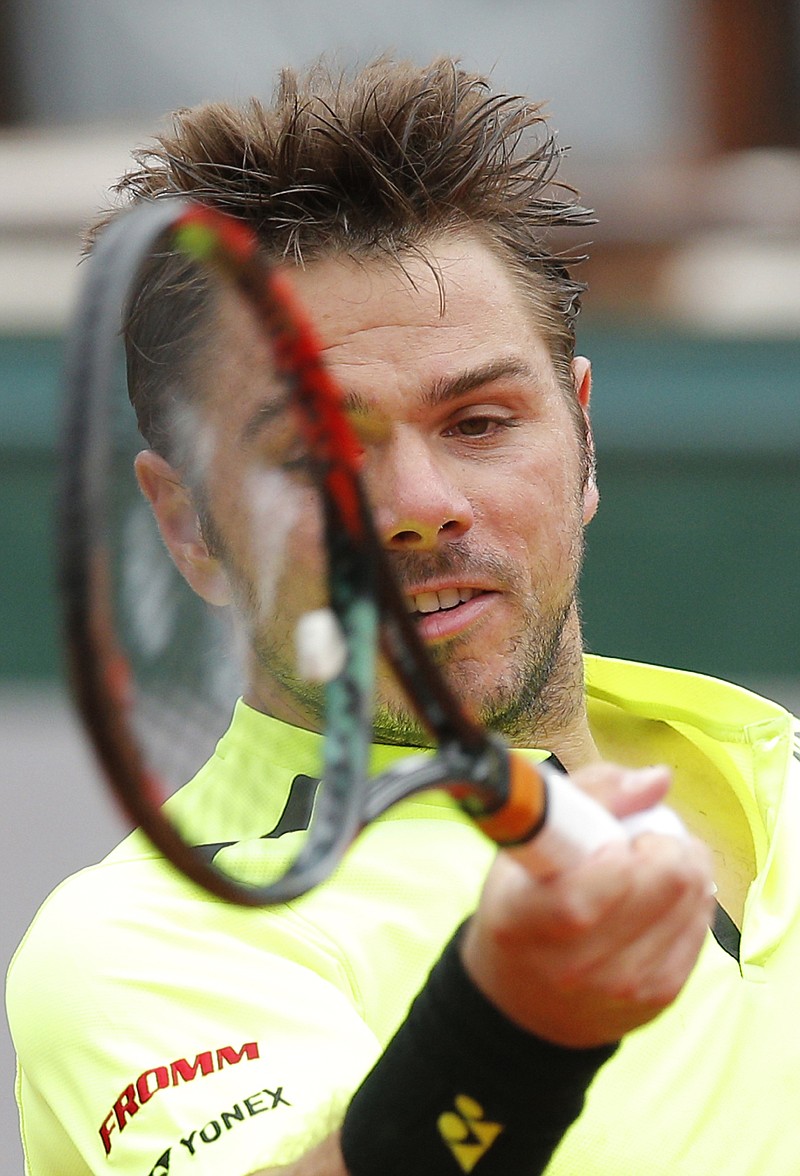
x,y
410,219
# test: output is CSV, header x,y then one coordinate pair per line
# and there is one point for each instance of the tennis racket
x,y
155,670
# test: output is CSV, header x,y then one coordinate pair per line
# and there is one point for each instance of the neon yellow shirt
x,y
162,1031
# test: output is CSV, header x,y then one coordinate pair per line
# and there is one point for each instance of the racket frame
x,y
501,790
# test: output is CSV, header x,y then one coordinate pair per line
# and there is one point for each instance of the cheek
x,y
272,532
535,508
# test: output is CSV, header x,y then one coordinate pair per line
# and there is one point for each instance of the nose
x,y
416,497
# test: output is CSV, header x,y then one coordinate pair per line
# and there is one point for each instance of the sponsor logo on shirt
x,y
241,1112
161,1166
137,1094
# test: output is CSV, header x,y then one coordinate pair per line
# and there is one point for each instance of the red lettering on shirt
x,y
138,1093
126,1106
148,1083
187,1071
230,1055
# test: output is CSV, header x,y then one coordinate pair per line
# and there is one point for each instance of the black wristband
x,y
460,1085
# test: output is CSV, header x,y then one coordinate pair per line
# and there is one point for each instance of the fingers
x,y
641,928
622,890
624,790
587,955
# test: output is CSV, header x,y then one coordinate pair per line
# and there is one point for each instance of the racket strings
x,y
187,659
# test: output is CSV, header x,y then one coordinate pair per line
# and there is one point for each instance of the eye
x,y
481,425
475,426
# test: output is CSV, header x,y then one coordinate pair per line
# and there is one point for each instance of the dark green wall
x,y
29,371
695,562
694,558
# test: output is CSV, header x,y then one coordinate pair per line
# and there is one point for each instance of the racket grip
x,y
566,824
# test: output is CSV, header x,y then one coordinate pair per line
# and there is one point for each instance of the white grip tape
x,y
576,826
659,819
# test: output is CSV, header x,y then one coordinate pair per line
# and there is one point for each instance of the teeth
x,y
448,598
426,602
429,602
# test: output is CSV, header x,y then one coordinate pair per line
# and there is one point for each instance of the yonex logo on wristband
x,y
465,1131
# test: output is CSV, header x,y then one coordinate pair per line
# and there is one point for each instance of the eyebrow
x,y
444,389
451,387
447,388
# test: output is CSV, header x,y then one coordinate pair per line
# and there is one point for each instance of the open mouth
x,y
442,601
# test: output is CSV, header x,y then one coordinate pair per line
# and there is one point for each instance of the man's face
x,y
474,468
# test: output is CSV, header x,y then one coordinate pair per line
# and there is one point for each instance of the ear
x,y
180,529
582,379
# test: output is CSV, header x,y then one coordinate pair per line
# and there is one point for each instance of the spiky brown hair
x,y
378,163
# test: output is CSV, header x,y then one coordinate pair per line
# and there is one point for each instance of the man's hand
x,y
585,956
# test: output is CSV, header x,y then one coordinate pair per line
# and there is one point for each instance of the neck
x,y
559,722
575,747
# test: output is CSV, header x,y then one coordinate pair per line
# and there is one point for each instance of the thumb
x,y
624,790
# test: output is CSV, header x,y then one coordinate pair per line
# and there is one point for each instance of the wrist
x,y
460,1082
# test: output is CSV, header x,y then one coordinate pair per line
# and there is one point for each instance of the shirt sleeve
x,y
157,1040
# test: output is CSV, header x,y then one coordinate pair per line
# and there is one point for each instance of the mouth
x,y
440,601
444,613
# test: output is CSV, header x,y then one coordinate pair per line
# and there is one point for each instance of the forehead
x,y
399,326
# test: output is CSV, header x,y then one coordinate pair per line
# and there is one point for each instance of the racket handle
x,y
565,824
576,825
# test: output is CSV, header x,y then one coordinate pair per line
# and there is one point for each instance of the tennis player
x,y
160,1031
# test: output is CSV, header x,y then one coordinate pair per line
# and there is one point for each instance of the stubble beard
x,y
541,689
537,697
